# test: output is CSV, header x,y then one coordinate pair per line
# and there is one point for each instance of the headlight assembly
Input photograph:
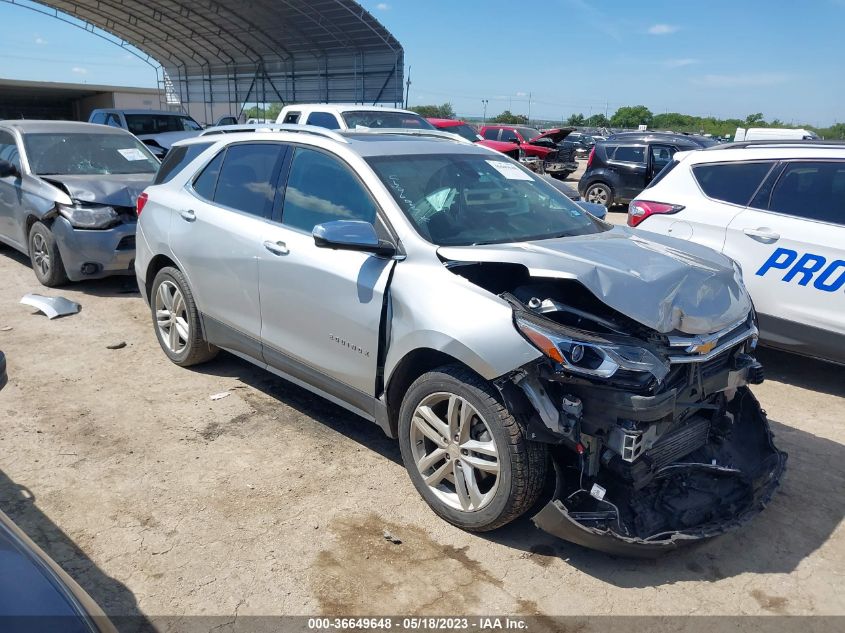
x,y
581,353
90,217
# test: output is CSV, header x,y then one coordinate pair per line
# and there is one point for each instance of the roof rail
x,y
275,127
780,143
410,132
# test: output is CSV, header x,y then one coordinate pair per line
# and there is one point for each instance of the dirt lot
x,y
158,500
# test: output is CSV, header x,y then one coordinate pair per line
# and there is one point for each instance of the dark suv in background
x,y
620,167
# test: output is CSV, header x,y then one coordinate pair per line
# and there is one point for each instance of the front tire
x,y
176,319
45,257
467,456
599,193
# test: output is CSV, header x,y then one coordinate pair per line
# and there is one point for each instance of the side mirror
x,y
593,208
351,235
8,169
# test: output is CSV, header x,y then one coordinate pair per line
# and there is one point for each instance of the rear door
x,y
629,162
321,308
790,242
218,232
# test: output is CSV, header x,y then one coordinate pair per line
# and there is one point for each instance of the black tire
x,y
522,463
195,349
602,194
45,257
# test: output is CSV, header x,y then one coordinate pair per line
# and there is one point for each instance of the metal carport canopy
x,y
231,51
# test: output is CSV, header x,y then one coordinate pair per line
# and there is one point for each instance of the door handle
x,y
277,248
762,234
188,215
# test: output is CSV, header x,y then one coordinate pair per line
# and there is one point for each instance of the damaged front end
x,y
657,440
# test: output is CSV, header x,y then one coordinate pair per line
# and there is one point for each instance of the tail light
x,y
590,159
141,203
639,210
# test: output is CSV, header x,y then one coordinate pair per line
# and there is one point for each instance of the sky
x,y
720,57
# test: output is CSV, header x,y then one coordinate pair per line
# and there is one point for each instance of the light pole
x,y
484,117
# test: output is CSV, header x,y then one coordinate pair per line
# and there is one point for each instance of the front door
x,y
321,308
12,211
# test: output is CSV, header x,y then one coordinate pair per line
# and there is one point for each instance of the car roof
x,y
382,142
34,126
141,111
344,107
765,151
689,139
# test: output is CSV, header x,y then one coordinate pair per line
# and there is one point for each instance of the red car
x,y
559,161
461,128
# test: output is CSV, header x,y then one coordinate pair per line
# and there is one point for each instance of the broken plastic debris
x,y
393,539
120,345
7,328
51,306
219,396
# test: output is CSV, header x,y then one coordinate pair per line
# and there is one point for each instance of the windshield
x,y
471,199
467,131
140,124
376,118
527,133
86,154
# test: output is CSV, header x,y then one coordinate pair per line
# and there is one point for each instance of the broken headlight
x,y
89,217
590,355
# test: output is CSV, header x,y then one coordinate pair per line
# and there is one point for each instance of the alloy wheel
x,y
598,195
454,451
172,317
41,254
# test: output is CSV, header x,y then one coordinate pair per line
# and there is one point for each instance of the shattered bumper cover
x,y
762,466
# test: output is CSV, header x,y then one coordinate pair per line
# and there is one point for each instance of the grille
x,y
680,442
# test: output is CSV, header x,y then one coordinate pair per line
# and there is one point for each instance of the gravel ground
x,y
161,501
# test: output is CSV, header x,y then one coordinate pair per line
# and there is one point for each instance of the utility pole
x,y
605,108
407,87
484,118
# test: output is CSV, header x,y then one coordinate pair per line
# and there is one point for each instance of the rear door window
x,y
491,134
628,154
176,159
291,117
247,180
99,118
509,136
811,190
323,119
320,188
731,182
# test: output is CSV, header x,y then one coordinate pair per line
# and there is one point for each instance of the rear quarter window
x,y
176,159
731,182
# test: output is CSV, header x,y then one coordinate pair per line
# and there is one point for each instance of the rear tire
x,y
467,456
45,256
600,193
176,319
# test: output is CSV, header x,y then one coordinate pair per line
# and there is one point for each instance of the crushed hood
x,y
556,135
664,283
119,190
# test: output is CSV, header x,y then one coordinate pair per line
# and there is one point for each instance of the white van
x,y
773,134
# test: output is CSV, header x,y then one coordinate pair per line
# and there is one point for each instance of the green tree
x,y
597,120
575,120
263,111
444,111
631,116
509,117
755,120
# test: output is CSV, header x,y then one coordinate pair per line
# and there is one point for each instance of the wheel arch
x,y
413,365
156,264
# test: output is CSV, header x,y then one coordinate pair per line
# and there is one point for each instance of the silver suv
x,y
525,353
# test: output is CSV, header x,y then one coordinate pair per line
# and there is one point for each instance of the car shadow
x,y
115,286
334,417
113,597
794,525
803,372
